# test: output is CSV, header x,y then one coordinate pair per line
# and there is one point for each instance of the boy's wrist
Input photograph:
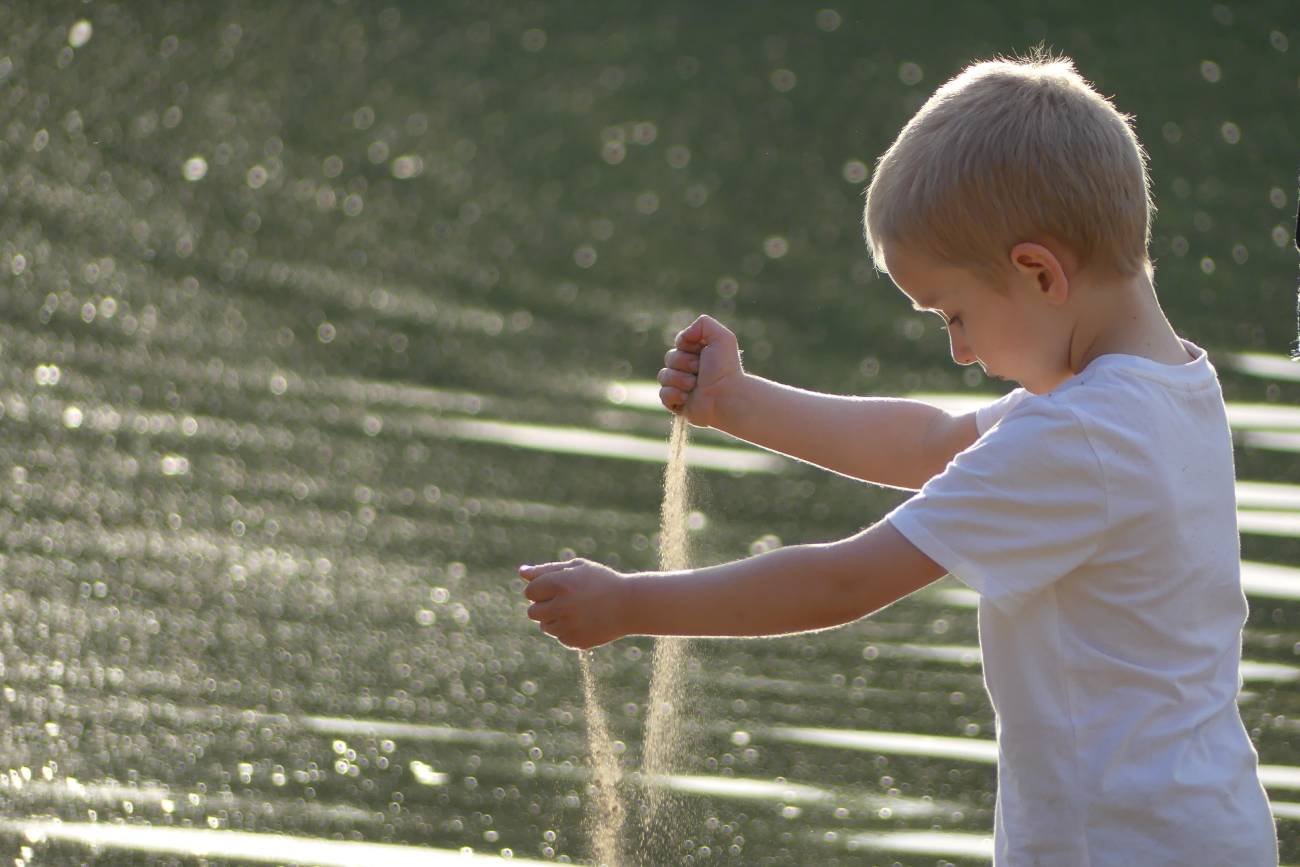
x,y
631,603
732,402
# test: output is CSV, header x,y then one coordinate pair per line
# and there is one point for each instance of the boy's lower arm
x,y
794,589
889,441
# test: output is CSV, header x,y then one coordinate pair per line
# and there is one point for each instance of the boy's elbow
x,y
848,596
945,437
878,567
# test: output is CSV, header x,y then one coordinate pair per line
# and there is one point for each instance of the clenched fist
x,y
702,366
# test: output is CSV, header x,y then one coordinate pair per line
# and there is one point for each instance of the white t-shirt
x,y
1098,525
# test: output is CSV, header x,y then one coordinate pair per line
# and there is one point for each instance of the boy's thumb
x,y
702,330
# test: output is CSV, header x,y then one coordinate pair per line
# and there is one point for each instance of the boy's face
x,y
1008,330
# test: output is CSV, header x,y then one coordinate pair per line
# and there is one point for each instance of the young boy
x,y
1092,508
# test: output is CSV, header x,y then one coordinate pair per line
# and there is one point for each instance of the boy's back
x,y
1098,524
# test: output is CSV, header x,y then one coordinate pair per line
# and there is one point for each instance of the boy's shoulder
x,y
1121,391
1138,431
1117,456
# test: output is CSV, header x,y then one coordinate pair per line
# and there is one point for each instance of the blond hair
x,y
1012,150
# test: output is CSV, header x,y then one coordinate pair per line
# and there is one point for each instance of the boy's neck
x,y
1121,316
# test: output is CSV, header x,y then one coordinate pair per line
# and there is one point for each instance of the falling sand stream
x,y
663,736
663,733
605,813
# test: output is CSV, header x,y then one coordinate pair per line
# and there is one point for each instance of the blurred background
x,y
316,318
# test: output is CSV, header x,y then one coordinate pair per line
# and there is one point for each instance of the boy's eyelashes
x,y
948,321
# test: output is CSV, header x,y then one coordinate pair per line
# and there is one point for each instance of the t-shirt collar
x,y
1195,371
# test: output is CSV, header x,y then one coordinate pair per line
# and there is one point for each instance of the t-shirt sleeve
x,y
1022,507
990,414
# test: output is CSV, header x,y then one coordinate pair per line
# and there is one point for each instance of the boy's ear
x,y
1040,268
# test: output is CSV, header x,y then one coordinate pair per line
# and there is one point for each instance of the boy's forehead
x,y
924,302
916,278
909,267
930,284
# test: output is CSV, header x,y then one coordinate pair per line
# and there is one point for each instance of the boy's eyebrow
x,y
921,308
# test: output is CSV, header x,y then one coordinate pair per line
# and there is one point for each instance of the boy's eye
x,y
949,321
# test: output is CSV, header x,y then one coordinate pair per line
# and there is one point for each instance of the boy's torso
x,y
1114,683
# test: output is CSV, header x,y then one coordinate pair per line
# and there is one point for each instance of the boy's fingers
x,y
541,611
541,590
688,342
676,359
677,379
528,573
702,331
692,338
698,331
690,334
672,398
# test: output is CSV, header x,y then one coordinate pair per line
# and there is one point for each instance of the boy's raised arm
x,y
888,441
794,589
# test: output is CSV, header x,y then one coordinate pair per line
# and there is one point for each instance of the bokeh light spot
x,y
407,166
854,171
776,247
613,152
194,168
533,40
828,20
79,34
784,80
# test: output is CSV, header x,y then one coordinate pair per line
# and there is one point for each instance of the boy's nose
x,y
961,353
